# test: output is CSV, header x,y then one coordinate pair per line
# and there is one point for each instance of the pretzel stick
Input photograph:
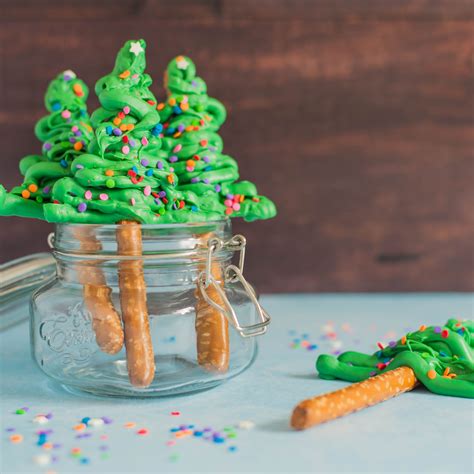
x,y
352,398
140,356
96,294
212,327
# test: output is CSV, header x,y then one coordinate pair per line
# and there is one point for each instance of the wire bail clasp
x,y
232,274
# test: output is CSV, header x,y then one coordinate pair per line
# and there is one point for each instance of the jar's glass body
x,y
63,332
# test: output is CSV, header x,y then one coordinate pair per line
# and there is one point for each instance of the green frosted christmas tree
x,y
65,132
191,121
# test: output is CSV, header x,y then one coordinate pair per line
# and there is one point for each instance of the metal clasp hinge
x,y
232,274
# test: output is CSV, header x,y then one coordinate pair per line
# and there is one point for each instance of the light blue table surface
x,y
416,432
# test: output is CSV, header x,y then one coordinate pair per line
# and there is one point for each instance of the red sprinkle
x,y
444,333
121,115
175,413
151,102
203,142
142,432
381,366
125,139
380,345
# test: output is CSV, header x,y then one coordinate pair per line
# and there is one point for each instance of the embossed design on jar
x,y
70,334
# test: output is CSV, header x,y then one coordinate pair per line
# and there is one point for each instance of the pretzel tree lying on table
x,y
440,358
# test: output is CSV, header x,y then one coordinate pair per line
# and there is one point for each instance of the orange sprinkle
x,y
109,172
25,193
170,179
431,374
189,128
124,127
130,424
77,88
179,58
403,340
446,371
88,127
242,198
228,210
190,163
124,74
160,106
47,446
78,146
172,101
33,188
75,450
16,438
79,427
422,327
117,121
452,376
184,106
130,126
177,135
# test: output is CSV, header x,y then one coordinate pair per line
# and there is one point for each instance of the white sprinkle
x,y
40,420
42,459
245,425
95,422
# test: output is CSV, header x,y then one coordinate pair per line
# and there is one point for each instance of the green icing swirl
x,y
65,134
191,121
124,174
441,357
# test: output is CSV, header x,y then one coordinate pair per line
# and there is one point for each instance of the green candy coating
x,y
434,353
211,171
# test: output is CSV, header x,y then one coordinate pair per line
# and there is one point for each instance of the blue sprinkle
x,y
108,130
85,461
218,439
232,448
305,336
194,208
149,172
170,130
174,430
63,163
56,106
85,419
177,110
197,433
208,168
134,168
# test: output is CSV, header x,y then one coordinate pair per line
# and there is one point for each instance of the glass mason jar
x,y
145,310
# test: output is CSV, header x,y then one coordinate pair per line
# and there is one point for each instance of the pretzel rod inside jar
x,y
106,322
138,344
329,406
212,327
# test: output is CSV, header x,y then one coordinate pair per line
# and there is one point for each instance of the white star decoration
x,y
182,63
136,48
69,73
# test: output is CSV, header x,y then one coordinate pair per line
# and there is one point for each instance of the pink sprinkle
x,y
144,141
228,202
74,128
236,206
147,190
126,109
185,99
65,114
171,442
103,196
125,149
177,148
134,76
189,168
103,436
132,201
88,195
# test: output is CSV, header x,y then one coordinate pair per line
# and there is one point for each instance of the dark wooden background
x,y
354,116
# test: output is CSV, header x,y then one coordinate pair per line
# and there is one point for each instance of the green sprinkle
x,y
199,107
110,183
232,435
39,199
20,411
161,211
104,456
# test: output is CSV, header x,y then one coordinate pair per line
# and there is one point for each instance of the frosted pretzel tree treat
x,y
439,357
192,120
65,132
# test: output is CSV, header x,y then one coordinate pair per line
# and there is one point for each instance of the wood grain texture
x,y
355,116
